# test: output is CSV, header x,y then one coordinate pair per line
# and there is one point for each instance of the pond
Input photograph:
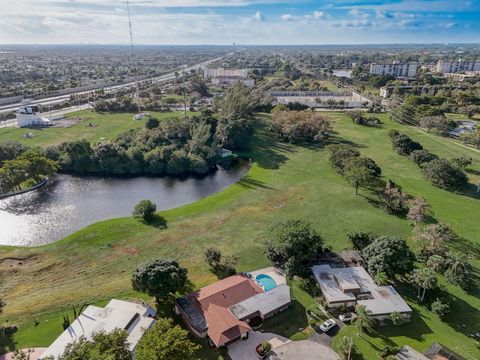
x,y
69,203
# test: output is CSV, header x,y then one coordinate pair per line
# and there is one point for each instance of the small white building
x,y
28,115
134,318
353,286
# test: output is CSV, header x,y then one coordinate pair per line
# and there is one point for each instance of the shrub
x,y
396,318
442,173
151,123
361,239
301,126
144,211
420,157
440,308
403,145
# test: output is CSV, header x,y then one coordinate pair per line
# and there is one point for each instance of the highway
x,y
162,78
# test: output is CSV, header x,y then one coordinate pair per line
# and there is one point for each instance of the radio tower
x,y
133,57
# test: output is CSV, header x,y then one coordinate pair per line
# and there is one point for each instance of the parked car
x,y
327,325
347,317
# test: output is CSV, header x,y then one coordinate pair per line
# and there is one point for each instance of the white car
x,y
327,325
347,317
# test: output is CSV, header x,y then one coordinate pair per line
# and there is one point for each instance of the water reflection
x,y
70,203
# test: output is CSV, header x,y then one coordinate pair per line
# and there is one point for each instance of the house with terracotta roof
x,y
222,311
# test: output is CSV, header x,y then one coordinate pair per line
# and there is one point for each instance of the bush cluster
x,y
302,127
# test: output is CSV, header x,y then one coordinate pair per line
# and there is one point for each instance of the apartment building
x,y
395,69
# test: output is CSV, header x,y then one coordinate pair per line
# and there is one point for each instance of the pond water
x,y
69,203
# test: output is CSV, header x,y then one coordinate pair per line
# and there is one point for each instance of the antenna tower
x,y
133,52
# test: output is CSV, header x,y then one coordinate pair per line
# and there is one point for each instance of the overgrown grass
x,y
285,181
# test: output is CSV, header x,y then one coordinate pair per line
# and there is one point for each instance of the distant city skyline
x,y
255,22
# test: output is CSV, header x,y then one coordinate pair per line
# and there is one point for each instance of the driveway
x,y
326,338
305,350
246,349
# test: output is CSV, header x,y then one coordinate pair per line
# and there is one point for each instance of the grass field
x,y
285,181
105,127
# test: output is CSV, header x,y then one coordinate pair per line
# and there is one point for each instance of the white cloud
x,y
319,14
259,16
287,17
359,13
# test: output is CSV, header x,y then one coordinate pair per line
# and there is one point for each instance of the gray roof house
x,y
352,286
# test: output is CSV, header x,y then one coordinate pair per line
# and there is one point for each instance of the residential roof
x,y
132,317
344,283
264,303
385,301
215,301
408,353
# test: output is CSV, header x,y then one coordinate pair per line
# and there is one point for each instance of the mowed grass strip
x,y
104,126
285,181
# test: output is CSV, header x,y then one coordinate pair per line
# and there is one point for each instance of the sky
x,y
259,22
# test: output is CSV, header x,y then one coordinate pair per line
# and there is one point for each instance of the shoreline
x,y
33,188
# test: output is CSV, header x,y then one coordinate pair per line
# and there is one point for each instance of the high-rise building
x,y
457,66
395,69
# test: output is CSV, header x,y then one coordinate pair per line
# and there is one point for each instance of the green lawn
x,y
106,126
285,181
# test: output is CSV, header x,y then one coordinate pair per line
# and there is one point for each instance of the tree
x,y
159,278
394,200
165,341
301,126
442,173
361,239
417,210
424,279
437,263
151,123
358,174
339,154
389,255
440,308
144,210
458,269
346,347
381,278
363,321
432,237
101,346
292,246
10,150
420,157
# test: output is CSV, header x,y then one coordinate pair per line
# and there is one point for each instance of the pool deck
x,y
276,274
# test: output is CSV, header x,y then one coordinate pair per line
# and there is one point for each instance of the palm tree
x,y
363,321
425,279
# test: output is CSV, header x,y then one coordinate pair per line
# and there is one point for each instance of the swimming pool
x,y
266,281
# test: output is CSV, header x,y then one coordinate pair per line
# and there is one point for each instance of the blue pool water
x,y
266,281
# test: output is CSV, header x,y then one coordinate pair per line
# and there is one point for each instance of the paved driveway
x,y
34,354
305,350
326,338
246,349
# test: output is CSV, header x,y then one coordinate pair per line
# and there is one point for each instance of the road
x,y
163,78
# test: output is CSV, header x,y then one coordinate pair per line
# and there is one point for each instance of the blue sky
x,y
242,21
